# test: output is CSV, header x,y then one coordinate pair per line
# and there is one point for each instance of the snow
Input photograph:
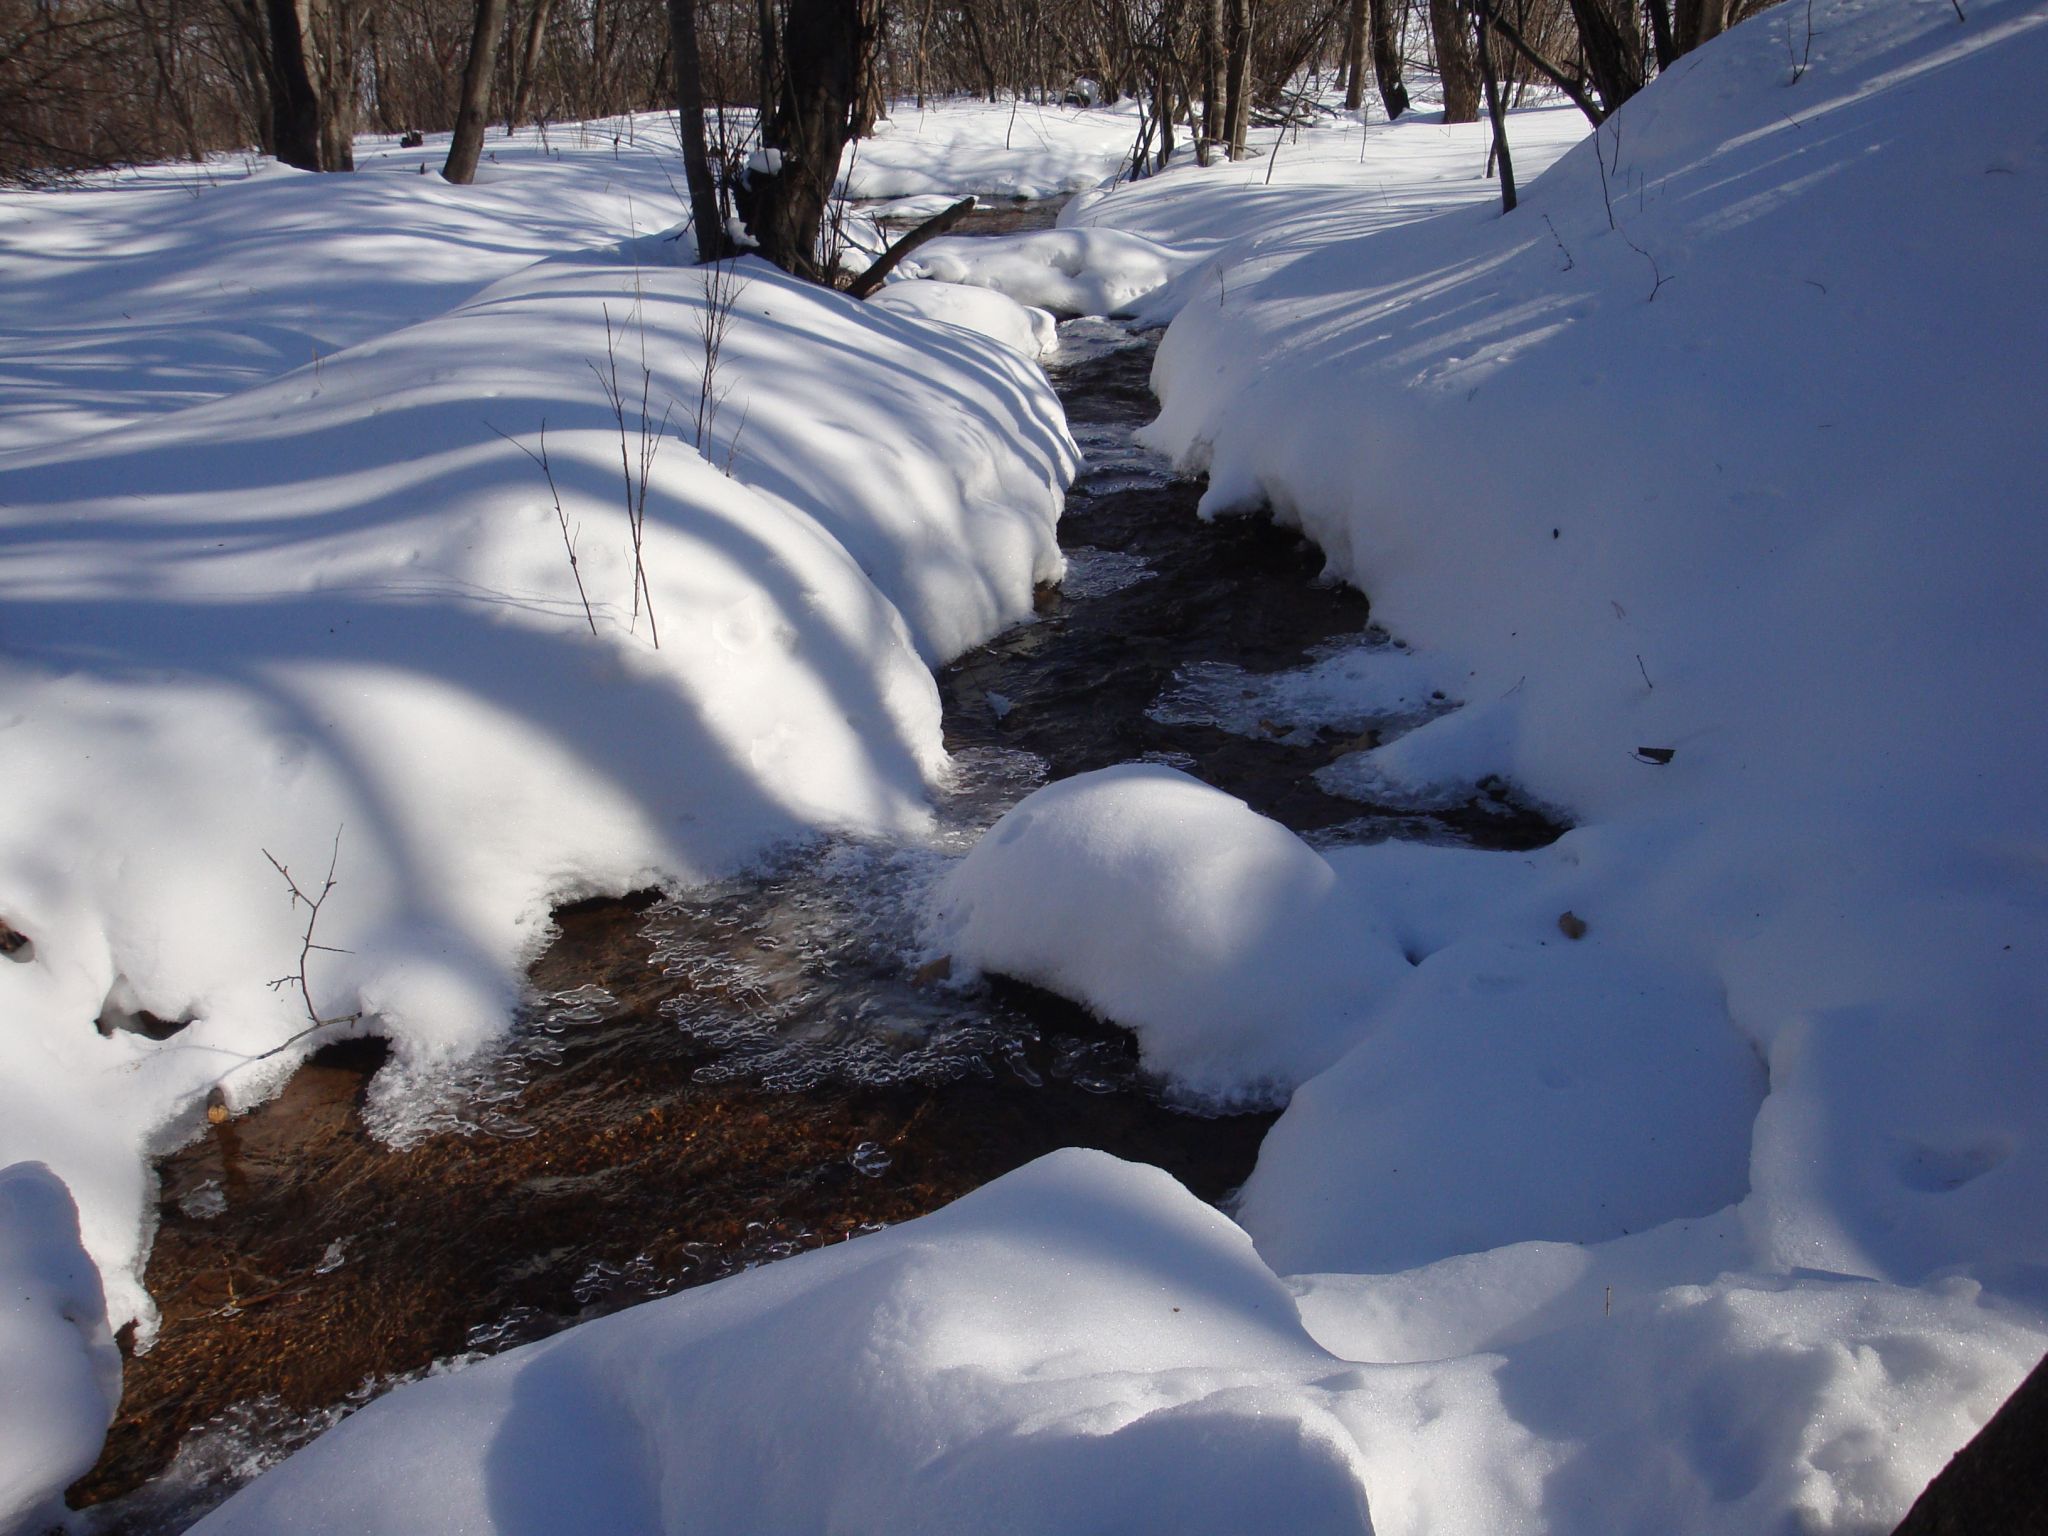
x,y
331,616
1068,271
981,310
1220,937
63,1373
1721,1207
1079,1345
1012,148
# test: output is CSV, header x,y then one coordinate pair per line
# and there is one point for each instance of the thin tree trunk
x,y
1354,54
1496,113
1237,110
529,63
468,143
1215,88
705,219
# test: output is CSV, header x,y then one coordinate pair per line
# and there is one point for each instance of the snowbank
x,y
63,1373
1704,517
1080,1345
333,616
1083,1345
158,288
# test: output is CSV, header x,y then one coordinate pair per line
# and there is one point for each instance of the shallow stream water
x,y
717,1079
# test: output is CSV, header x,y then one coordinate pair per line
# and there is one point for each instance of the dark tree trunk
x,y
1999,1481
294,86
1660,32
870,102
1456,66
1215,79
822,47
1613,50
705,218
468,142
529,64
1354,54
1496,113
1237,85
1386,57
1697,21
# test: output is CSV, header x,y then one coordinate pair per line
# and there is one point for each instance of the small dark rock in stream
x,y
715,1080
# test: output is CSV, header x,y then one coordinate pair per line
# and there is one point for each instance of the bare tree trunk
x,y
705,219
1696,22
1455,65
1386,57
1354,54
529,63
1237,110
468,142
1215,87
1613,50
1496,113
295,109
822,48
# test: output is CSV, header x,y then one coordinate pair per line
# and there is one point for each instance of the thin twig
x,y
307,945
561,517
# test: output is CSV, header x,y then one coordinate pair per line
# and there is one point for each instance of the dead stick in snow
x,y
871,280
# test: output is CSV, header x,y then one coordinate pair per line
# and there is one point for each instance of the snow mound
x,y
63,1372
1513,1092
981,310
1218,936
1068,271
1080,1345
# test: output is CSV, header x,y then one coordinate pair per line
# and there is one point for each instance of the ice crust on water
x,y
1349,687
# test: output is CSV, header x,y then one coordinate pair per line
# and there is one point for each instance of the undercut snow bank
x,y
333,617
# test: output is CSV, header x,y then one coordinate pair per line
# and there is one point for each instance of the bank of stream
x,y
714,1079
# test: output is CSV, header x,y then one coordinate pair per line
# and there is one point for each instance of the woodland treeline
x,y
86,84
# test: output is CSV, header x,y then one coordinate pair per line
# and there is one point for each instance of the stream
x,y
716,1079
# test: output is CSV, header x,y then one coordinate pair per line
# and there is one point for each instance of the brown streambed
x,y
717,1080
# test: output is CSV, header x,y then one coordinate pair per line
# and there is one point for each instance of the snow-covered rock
x,y
1068,271
1216,934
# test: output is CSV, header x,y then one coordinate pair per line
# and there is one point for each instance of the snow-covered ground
x,y
1689,1175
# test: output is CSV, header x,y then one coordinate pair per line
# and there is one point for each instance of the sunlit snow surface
x,y
1729,1214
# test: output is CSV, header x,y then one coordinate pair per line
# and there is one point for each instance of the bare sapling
x,y
1658,278
1800,59
561,517
308,946
641,445
723,286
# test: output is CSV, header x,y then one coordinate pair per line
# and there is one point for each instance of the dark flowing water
x,y
717,1079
